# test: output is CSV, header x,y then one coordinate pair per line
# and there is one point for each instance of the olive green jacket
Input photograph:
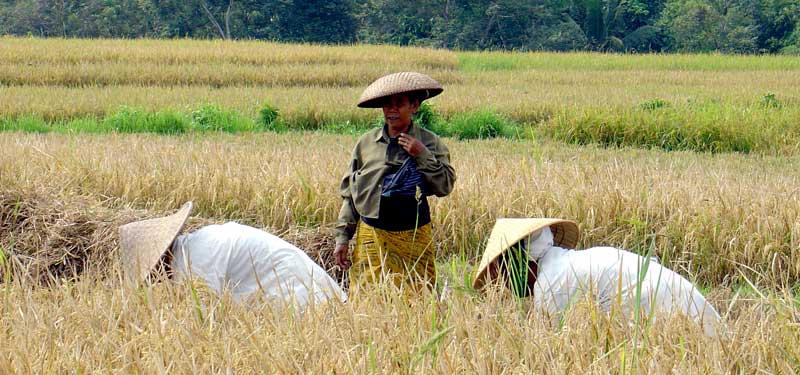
x,y
373,157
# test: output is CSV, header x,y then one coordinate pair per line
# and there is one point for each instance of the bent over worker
x,y
536,256
231,257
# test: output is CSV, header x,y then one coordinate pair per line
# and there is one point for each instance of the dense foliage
x,y
734,26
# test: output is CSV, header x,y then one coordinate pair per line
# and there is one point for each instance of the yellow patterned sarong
x,y
403,257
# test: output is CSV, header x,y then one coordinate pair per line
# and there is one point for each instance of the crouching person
x,y
234,258
535,257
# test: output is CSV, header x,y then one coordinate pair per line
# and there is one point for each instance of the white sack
x,y
243,260
610,274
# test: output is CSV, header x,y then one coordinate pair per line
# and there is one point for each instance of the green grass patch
x,y
268,119
481,124
131,120
214,118
27,124
707,127
428,117
766,125
591,61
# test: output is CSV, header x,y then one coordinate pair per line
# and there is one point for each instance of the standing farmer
x,y
384,192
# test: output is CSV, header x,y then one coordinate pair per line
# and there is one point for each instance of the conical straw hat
x,y
143,243
398,83
508,232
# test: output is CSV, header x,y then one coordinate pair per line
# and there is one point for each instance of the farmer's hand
x,y
412,145
341,256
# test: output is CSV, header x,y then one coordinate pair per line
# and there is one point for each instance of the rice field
x,y
726,220
714,103
729,222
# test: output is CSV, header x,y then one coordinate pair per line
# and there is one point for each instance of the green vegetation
x,y
764,127
267,116
481,124
213,118
131,120
704,127
705,103
603,62
732,26
477,124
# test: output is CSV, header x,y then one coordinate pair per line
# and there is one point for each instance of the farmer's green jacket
x,y
373,157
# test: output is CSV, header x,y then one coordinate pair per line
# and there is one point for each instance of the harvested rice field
x,y
728,221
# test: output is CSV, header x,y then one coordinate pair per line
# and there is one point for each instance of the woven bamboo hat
x,y
508,232
143,243
422,85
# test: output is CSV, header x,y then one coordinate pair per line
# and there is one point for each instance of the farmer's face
x,y
398,110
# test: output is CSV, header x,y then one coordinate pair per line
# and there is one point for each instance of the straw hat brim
x,y
143,243
508,232
418,84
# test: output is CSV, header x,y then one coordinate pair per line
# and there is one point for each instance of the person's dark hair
x,y
518,271
163,269
419,96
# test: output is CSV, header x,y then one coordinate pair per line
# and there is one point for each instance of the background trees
x,y
738,26
715,25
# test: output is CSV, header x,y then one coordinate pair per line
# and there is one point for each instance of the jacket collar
x,y
383,135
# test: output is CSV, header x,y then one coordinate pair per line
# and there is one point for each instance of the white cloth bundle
x,y
610,275
244,260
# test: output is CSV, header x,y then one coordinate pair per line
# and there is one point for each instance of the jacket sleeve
x,y
348,216
434,164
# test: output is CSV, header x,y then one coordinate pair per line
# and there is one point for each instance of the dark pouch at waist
x,y
404,182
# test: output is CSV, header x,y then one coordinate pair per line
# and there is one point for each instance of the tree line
x,y
731,26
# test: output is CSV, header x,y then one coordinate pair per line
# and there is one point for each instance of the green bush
x,y
127,120
167,122
645,39
481,124
130,120
428,118
267,119
214,118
